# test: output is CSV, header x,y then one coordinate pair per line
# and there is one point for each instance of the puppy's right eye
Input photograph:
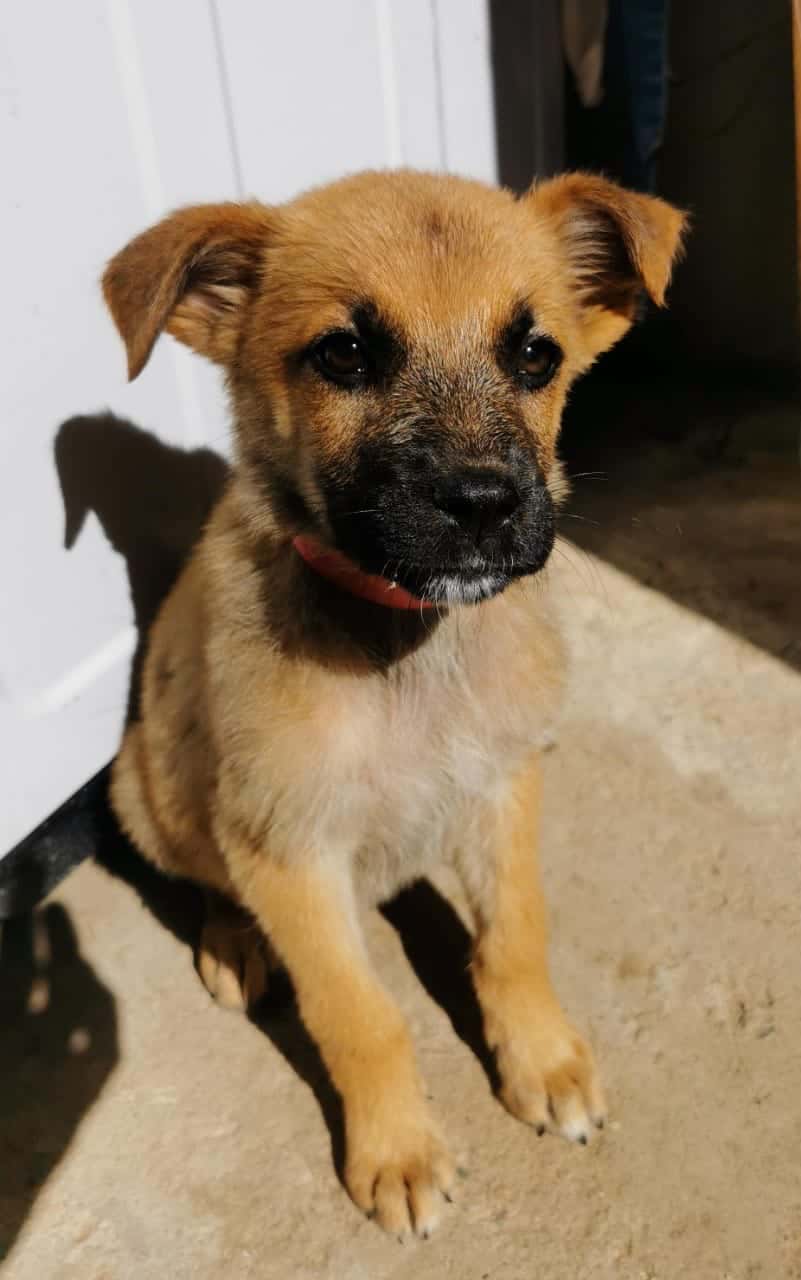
x,y
341,358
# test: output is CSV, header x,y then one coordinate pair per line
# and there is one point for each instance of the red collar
x,y
337,568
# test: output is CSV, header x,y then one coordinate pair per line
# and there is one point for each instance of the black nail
x,y
540,1130
583,1139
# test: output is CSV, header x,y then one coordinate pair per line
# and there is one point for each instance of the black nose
x,y
479,499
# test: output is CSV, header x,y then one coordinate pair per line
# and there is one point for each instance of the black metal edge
x,y
43,858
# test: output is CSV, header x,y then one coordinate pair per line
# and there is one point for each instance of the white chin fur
x,y
451,590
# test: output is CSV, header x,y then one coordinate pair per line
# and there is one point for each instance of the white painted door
x,y
111,113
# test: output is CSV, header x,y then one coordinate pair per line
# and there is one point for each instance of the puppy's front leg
x,y
396,1165
547,1072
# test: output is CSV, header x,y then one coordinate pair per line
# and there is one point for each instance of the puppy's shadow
x,y
59,1046
152,500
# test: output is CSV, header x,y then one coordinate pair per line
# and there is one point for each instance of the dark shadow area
x,y
716,137
279,1020
729,157
693,486
57,1049
152,500
177,905
439,947
528,89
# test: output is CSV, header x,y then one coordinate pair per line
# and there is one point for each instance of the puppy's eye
x,y
538,361
341,358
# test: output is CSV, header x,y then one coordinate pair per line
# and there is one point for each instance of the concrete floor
x,y
146,1133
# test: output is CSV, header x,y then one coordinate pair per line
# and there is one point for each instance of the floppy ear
x,y
193,275
618,243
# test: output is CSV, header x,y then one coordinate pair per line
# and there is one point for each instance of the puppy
x,y
348,683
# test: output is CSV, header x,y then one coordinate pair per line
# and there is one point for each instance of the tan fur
x,y
297,773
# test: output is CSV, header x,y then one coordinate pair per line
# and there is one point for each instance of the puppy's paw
x,y
548,1074
234,959
400,1175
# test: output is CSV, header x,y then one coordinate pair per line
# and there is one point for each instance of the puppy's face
x,y
398,348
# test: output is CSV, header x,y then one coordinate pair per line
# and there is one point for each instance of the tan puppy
x,y
348,683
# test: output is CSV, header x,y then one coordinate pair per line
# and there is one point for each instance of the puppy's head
x,y
398,349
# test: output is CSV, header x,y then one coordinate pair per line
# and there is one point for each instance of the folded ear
x,y
618,243
193,275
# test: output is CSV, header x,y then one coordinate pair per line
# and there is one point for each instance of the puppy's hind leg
x,y
234,958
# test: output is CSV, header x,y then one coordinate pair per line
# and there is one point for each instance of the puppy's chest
x,y
407,758
425,741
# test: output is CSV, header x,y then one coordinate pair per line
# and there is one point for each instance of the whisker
x,y
567,585
596,583
569,515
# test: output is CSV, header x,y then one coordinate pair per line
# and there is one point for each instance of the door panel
x,y
311,96
465,87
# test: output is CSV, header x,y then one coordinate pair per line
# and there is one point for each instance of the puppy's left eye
x,y
341,358
537,363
